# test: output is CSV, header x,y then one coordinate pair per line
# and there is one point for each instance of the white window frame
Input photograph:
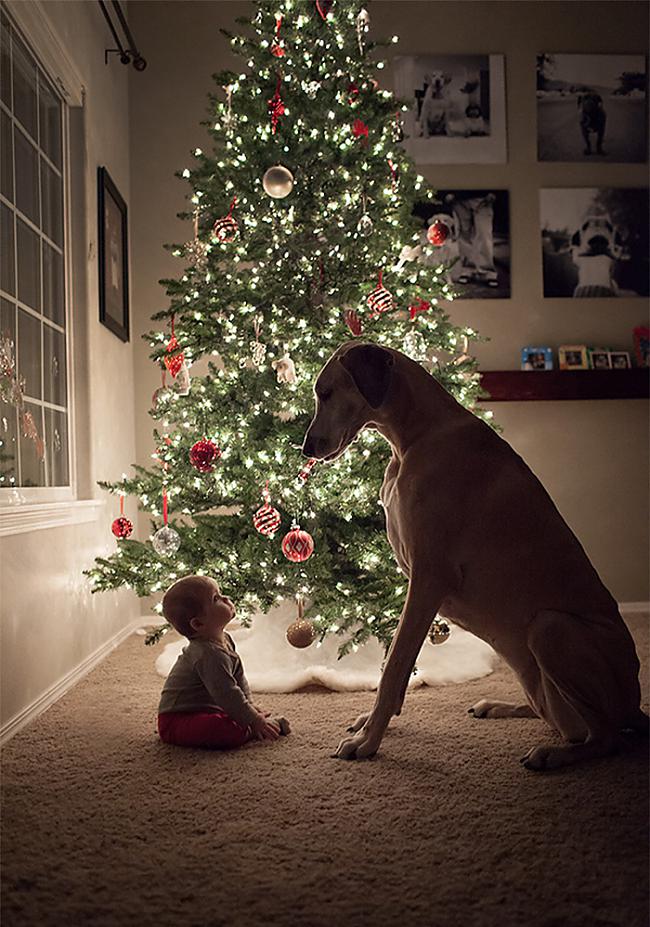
x,y
44,506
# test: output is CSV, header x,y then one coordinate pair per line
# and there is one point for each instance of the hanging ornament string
x,y
276,107
305,472
393,174
363,22
277,49
323,7
228,119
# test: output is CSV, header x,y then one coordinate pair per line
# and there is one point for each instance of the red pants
x,y
214,730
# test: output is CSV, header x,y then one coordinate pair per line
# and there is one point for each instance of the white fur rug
x,y
271,664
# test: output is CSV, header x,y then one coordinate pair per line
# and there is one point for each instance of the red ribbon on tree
x,y
323,7
174,357
420,305
276,107
360,130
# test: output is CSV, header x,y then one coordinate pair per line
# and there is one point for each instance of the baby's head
x,y
195,607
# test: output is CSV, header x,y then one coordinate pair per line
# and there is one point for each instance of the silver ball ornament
x,y
166,541
365,225
278,182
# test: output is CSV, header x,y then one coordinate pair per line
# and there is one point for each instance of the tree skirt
x,y
271,664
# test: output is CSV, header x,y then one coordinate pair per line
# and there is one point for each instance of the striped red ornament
x,y
174,357
226,228
297,545
267,519
380,300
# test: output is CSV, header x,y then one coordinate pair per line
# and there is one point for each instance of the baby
x,y
206,700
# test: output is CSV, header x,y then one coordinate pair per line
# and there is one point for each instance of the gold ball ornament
x,y
278,182
301,633
439,631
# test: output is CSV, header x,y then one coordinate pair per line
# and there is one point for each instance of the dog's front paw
x,y
358,724
359,747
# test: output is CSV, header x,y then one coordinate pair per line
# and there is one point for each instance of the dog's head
x,y
349,390
438,81
597,236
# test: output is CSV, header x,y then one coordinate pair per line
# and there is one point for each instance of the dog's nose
x,y
312,447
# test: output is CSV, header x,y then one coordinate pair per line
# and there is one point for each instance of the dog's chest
x,y
390,500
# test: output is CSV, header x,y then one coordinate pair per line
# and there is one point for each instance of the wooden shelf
x,y
540,385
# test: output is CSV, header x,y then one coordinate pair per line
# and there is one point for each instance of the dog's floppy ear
x,y
371,368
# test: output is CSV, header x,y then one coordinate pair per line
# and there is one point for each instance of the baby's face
x,y
218,610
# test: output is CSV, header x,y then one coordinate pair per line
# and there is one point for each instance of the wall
x,y
592,455
51,626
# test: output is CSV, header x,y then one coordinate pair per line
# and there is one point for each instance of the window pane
x,y
6,157
52,201
8,446
8,319
24,74
32,457
7,252
54,364
50,117
28,350
26,176
53,306
29,265
5,63
56,441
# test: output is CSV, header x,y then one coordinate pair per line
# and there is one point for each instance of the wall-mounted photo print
x,y
468,231
595,241
591,108
457,113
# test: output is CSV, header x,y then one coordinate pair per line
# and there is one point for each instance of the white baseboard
x,y
633,608
54,693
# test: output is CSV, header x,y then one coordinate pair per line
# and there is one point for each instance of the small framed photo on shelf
x,y
113,253
620,360
642,345
599,359
573,357
536,359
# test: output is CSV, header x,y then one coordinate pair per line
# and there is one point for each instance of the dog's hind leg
x,y
488,708
588,685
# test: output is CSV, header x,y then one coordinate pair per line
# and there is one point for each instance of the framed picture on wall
x,y
592,108
475,251
112,246
457,113
595,241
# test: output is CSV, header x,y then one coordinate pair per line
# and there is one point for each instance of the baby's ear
x,y
195,623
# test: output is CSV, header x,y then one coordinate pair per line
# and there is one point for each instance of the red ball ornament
x,y
122,527
438,233
297,545
203,455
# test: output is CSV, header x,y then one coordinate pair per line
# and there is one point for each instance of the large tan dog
x,y
482,544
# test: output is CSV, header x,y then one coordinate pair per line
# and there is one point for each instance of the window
x,y
34,427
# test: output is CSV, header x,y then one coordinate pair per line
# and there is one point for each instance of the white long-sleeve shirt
x,y
208,677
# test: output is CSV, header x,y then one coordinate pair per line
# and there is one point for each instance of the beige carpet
x,y
103,825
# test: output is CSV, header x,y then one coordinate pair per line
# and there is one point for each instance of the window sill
x,y
19,519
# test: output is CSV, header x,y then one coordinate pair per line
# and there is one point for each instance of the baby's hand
x,y
262,730
266,714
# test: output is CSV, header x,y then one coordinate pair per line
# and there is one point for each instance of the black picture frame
x,y
113,256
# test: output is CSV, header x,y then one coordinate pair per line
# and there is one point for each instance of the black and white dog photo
x,y
591,108
457,111
476,249
595,242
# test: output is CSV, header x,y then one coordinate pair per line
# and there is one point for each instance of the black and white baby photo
x,y
475,226
457,107
591,108
595,241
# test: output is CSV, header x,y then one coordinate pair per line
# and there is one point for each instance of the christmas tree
x,y
303,237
